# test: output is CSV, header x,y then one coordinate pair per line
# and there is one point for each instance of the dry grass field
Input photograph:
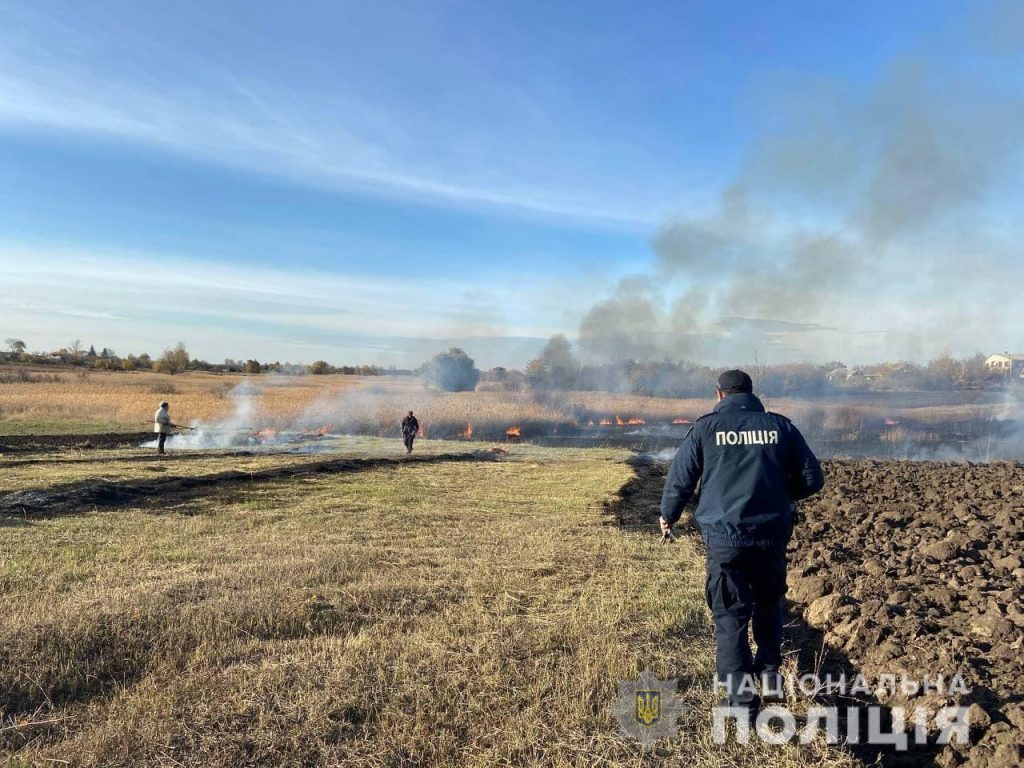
x,y
72,402
69,401
435,612
101,401
474,605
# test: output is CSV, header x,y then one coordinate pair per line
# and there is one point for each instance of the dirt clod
x,y
912,568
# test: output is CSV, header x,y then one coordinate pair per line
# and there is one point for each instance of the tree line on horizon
x,y
557,368
174,360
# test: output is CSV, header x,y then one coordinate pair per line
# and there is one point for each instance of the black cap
x,y
735,381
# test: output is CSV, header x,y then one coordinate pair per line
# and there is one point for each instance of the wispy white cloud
x,y
219,115
14,308
49,296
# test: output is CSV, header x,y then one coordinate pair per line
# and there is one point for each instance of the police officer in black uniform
x,y
752,466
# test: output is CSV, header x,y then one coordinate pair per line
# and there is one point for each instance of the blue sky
x,y
341,179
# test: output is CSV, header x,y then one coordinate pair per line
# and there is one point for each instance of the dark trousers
x,y
745,587
160,440
408,437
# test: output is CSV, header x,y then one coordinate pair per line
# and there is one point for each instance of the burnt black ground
x,y
91,494
46,443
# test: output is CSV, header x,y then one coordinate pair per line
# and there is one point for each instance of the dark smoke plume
x,y
875,221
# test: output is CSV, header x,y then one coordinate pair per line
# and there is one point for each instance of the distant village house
x,y
1006,364
849,377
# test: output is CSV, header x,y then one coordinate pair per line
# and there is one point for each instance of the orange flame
x,y
621,422
319,431
468,433
267,434
513,432
681,421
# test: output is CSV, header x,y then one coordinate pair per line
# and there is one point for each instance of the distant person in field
x,y
162,425
752,466
410,428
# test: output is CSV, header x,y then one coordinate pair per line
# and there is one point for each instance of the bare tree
x,y
759,375
173,360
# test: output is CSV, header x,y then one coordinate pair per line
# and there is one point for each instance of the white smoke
x,y
236,431
369,411
1006,430
665,456
349,411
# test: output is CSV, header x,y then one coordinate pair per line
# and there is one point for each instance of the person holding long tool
x,y
162,425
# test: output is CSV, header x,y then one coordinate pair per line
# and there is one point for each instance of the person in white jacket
x,y
162,425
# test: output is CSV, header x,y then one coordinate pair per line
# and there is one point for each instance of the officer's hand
x,y
665,526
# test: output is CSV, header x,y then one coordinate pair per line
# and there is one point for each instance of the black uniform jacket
x,y
752,465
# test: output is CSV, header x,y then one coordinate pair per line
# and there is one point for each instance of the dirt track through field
x,y
89,494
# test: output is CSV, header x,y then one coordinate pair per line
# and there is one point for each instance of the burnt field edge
x,y
44,443
903,443
89,494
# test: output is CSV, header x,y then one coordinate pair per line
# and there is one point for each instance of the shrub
x,y
319,368
453,371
